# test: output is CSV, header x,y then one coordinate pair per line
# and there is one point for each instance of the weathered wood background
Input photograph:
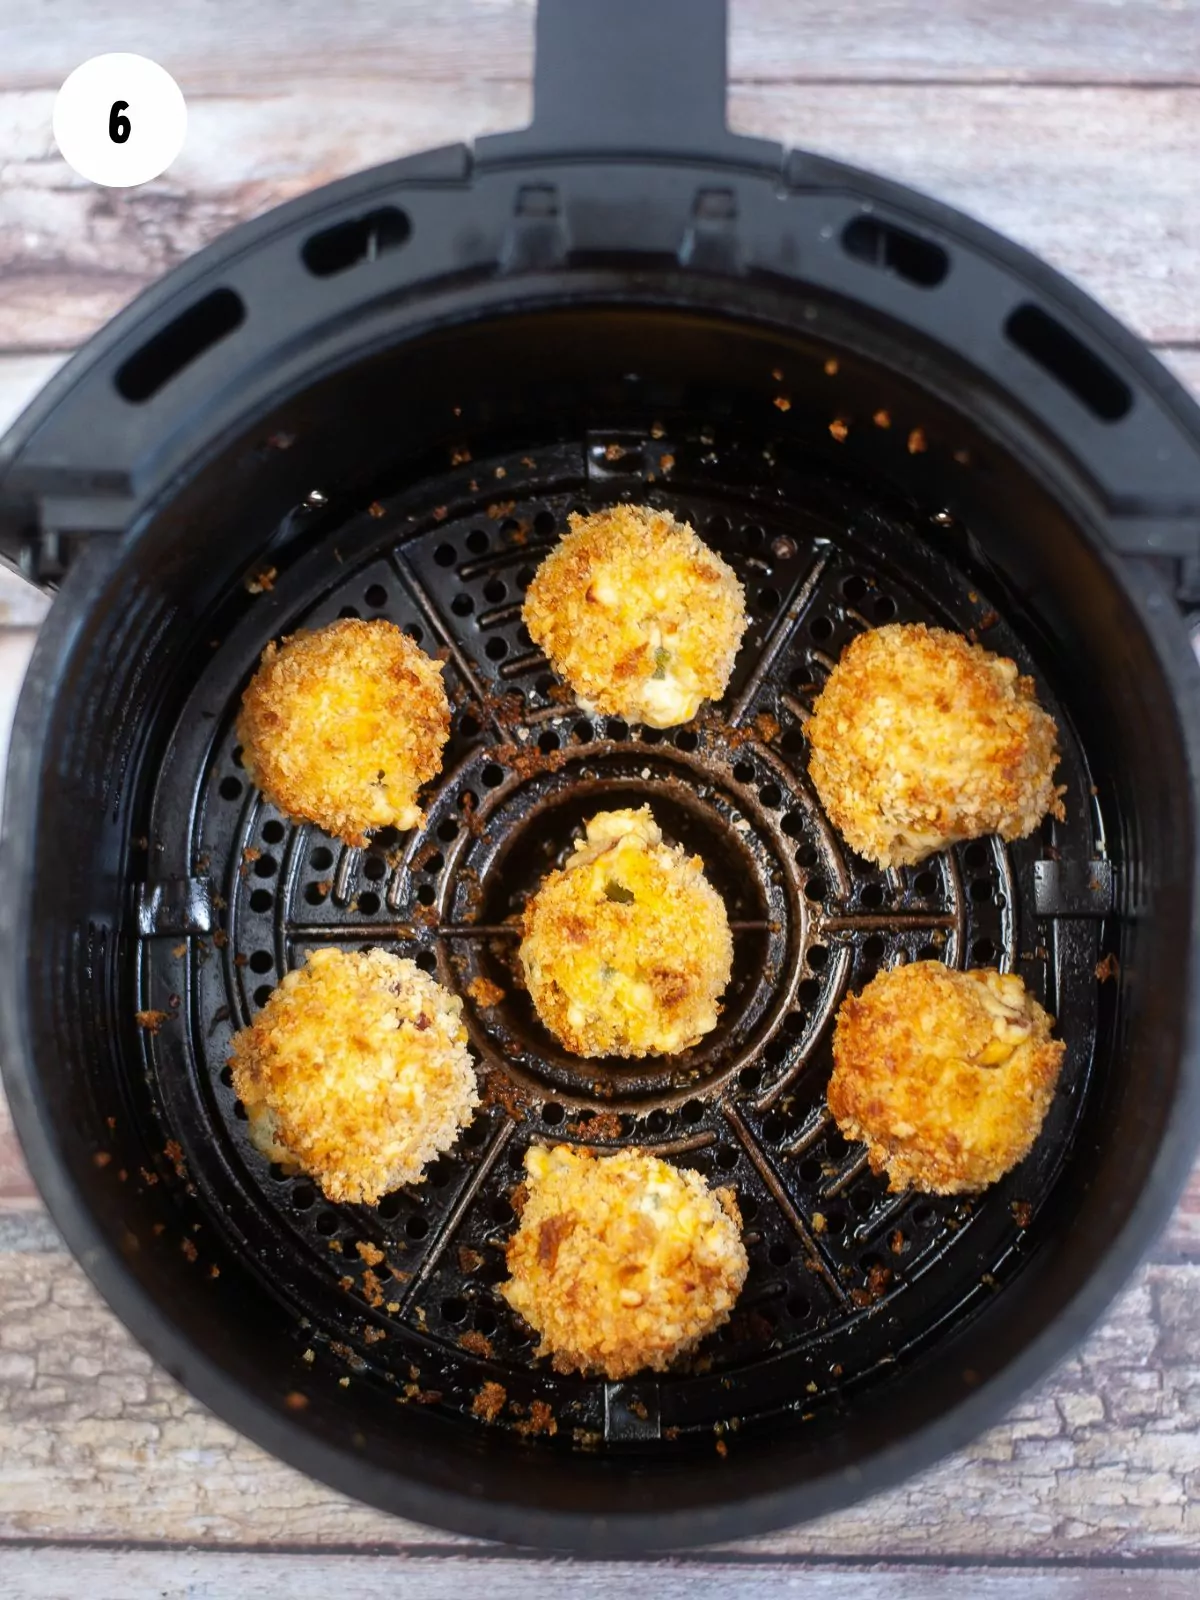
x,y
1074,125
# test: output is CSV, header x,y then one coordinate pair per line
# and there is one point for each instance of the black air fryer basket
x,y
383,400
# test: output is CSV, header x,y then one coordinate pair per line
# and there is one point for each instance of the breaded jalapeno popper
x,y
356,1072
622,1262
342,726
946,1076
920,739
640,617
626,950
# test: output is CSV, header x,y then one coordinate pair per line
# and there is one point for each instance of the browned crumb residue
x,y
598,1126
295,1401
878,1280
897,1243
839,429
484,992
152,1021
490,1401
1108,969
375,509
173,1151
916,442
765,726
476,1344
666,462
262,582
101,1158
722,1448
373,1335
372,1292
503,1092
469,1260
189,1249
370,1253
882,419
782,403
540,1420
1022,1212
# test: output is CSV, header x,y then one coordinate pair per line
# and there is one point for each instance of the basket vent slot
x,y
896,250
366,238
179,344
1068,360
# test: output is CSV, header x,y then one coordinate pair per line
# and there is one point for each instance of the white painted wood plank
x,y
1100,181
65,1574
97,1444
227,41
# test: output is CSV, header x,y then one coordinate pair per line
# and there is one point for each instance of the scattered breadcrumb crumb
x,y
262,582
490,1401
152,1021
484,992
782,403
839,429
916,442
295,1401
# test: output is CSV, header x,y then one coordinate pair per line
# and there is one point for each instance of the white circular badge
x,y
120,120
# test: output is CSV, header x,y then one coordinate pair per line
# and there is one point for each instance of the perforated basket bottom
x,y
846,1280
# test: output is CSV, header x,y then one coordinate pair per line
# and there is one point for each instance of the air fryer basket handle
x,y
630,77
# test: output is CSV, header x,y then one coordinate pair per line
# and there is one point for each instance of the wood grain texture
x,y
98,1444
224,42
58,1574
1101,181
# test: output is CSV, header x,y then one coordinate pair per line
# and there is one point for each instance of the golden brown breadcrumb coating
x,y
920,739
640,617
622,1262
341,727
627,949
356,1071
946,1076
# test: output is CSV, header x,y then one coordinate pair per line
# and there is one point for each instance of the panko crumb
x,y
946,1076
541,1419
341,727
622,1262
921,739
484,992
490,1401
639,616
626,949
370,1253
356,1071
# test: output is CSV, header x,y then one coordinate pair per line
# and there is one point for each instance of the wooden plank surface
x,y
1075,128
1101,181
254,1575
464,41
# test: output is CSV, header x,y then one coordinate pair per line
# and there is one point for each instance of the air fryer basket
x,y
383,401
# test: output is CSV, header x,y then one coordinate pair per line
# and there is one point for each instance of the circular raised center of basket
x,y
527,825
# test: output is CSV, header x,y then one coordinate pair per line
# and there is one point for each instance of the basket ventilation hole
x,y
181,342
335,250
892,249
1068,360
